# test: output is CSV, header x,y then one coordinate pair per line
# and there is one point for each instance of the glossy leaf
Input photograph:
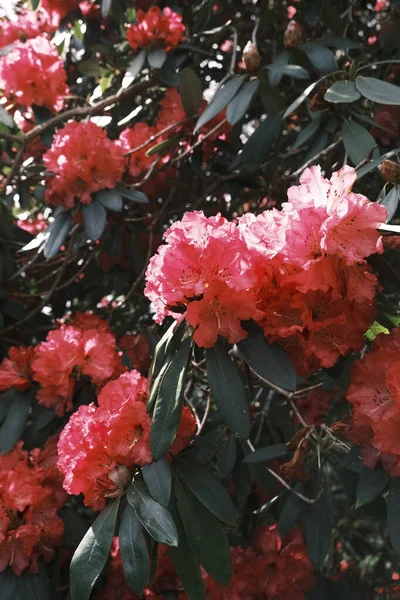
x,y
92,553
372,164
154,517
319,522
275,75
267,453
36,4
391,201
110,199
190,91
220,100
309,131
322,59
227,389
378,91
227,457
94,219
371,484
259,144
106,7
300,99
156,57
32,587
294,71
292,511
393,513
134,69
357,140
342,92
59,231
6,118
240,103
14,423
134,551
158,478
133,195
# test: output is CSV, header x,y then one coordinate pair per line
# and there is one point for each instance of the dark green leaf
x,y
275,75
391,201
6,118
393,513
6,400
207,488
133,195
294,71
378,91
134,551
205,535
319,522
14,423
357,140
134,68
267,453
292,511
312,11
158,478
110,199
371,484
156,57
59,230
220,100
163,146
269,362
168,406
342,92
227,457
190,91
322,59
106,7
92,553
154,517
94,219
240,103
227,389
36,4
32,587
340,42
90,68
308,132
375,163
259,144
296,103
8,585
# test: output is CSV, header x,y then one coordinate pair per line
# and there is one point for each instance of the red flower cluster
x,y
374,392
85,347
33,73
156,28
60,8
131,138
387,128
83,161
100,446
30,498
137,348
300,273
15,371
29,24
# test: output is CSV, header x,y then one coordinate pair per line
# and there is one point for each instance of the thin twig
x,y
318,155
204,419
14,168
199,142
157,135
254,33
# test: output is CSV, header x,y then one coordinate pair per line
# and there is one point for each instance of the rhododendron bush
x,y
199,300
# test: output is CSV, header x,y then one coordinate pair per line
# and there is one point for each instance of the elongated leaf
x,y
357,141
205,535
319,522
92,553
393,513
342,92
168,406
154,517
275,75
134,551
227,457
371,484
186,564
378,91
15,420
269,362
134,69
322,59
106,7
267,453
227,389
110,199
296,103
340,42
133,195
220,100
8,585
163,146
190,91
308,131
259,144
391,201
156,57
59,230
240,103
94,219
294,71
207,488
292,511
158,478
372,164
32,587
36,4
6,118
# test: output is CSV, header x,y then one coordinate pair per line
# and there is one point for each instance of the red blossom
x,y
29,24
131,138
156,28
16,370
137,348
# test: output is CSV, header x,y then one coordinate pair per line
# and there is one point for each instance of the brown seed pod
x,y
390,171
293,35
251,57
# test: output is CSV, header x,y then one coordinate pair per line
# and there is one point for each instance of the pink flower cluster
x,y
300,273
156,28
33,73
29,24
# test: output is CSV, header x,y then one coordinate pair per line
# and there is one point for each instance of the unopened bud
x,y
390,171
120,475
293,35
251,57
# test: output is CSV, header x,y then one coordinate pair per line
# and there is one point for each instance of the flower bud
x,y
390,171
293,35
251,57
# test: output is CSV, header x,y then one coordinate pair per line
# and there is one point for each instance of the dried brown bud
x,y
390,171
293,35
251,57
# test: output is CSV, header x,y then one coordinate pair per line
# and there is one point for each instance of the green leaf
x,y
36,4
168,406
185,562
32,587
14,423
6,118
240,103
8,585
227,457
94,219
342,92
220,100
59,230
393,513
110,199
205,535
106,7
164,145
275,75
319,522
92,553
134,68
292,511
227,389
90,68
391,201
271,363
371,484
308,132
207,488
375,163
296,103
322,59
190,91
340,42
158,478
156,57
134,551
358,142
133,195
267,453
378,91
259,144
294,71
154,517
